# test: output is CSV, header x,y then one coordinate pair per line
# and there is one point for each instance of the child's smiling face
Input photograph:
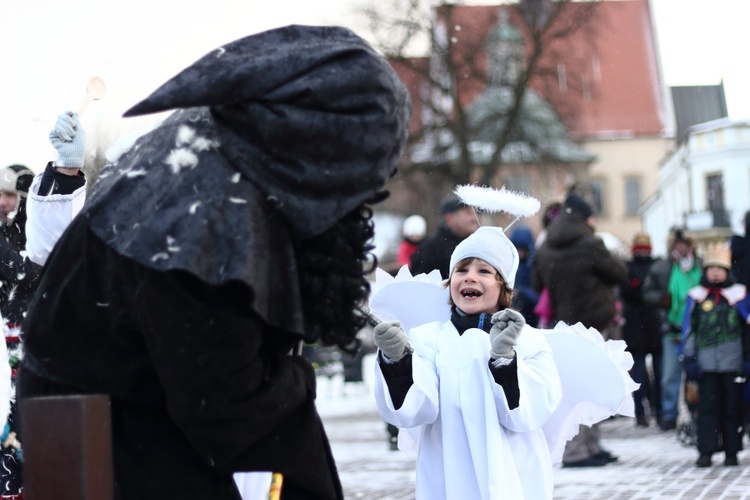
x,y
716,274
475,287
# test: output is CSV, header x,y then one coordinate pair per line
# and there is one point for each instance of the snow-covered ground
x,y
653,464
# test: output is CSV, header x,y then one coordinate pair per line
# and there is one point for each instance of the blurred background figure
x,y
413,231
525,297
550,212
666,287
642,332
18,279
543,309
740,246
458,221
580,274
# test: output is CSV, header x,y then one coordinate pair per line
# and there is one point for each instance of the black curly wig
x,y
332,269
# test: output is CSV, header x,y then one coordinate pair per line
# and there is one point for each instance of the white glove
x,y
69,139
506,326
391,340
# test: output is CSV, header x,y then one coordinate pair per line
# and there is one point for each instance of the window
x,y
597,196
632,196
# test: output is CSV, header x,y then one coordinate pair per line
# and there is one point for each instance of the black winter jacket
x,y
643,325
435,252
579,272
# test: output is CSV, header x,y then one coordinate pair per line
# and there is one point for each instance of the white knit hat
x,y
492,246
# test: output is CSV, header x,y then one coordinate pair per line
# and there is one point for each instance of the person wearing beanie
x,y
716,354
210,251
642,331
475,389
666,287
458,221
581,276
18,278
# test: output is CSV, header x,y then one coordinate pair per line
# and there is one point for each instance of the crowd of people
x,y
662,307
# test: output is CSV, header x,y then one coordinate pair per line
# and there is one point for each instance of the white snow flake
x,y
160,256
194,207
181,158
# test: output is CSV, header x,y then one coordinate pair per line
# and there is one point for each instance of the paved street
x,y
653,464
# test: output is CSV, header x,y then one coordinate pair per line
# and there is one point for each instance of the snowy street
x,y
652,465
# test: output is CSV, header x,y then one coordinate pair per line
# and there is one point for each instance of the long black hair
x,y
332,270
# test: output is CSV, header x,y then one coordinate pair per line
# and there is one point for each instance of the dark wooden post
x,y
67,447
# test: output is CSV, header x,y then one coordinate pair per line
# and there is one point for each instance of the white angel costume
x,y
48,217
470,443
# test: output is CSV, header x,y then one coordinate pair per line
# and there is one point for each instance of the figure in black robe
x,y
218,242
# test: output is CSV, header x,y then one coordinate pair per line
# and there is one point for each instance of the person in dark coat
x,y
740,246
642,331
206,255
458,222
666,287
17,275
525,297
580,275
18,278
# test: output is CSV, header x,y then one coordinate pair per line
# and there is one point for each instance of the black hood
x,y
278,137
312,116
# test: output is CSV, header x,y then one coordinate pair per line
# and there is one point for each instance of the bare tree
x,y
478,92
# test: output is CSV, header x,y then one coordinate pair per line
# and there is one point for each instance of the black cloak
x,y
300,123
145,296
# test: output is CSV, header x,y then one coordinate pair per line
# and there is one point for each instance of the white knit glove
x,y
69,139
391,340
506,326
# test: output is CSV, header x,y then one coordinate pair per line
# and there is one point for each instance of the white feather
x,y
493,200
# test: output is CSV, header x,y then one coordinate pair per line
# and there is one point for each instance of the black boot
x,y
704,460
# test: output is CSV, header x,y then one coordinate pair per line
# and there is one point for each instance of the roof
x,y
617,89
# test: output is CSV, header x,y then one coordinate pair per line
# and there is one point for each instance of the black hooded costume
x,y
176,290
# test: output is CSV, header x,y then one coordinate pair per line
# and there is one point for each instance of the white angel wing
x,y
412,300
595,382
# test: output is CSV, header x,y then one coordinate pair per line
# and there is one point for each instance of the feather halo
x,y
493,200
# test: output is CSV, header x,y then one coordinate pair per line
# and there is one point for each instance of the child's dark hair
x,y
332,269
506,293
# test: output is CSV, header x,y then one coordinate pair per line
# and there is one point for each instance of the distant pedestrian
x,y
740,246
551,211
580,274
413,231
666,286
543,308
525,297
642,331
716,353
458,221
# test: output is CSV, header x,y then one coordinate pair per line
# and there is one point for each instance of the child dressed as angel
x,y
475,390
